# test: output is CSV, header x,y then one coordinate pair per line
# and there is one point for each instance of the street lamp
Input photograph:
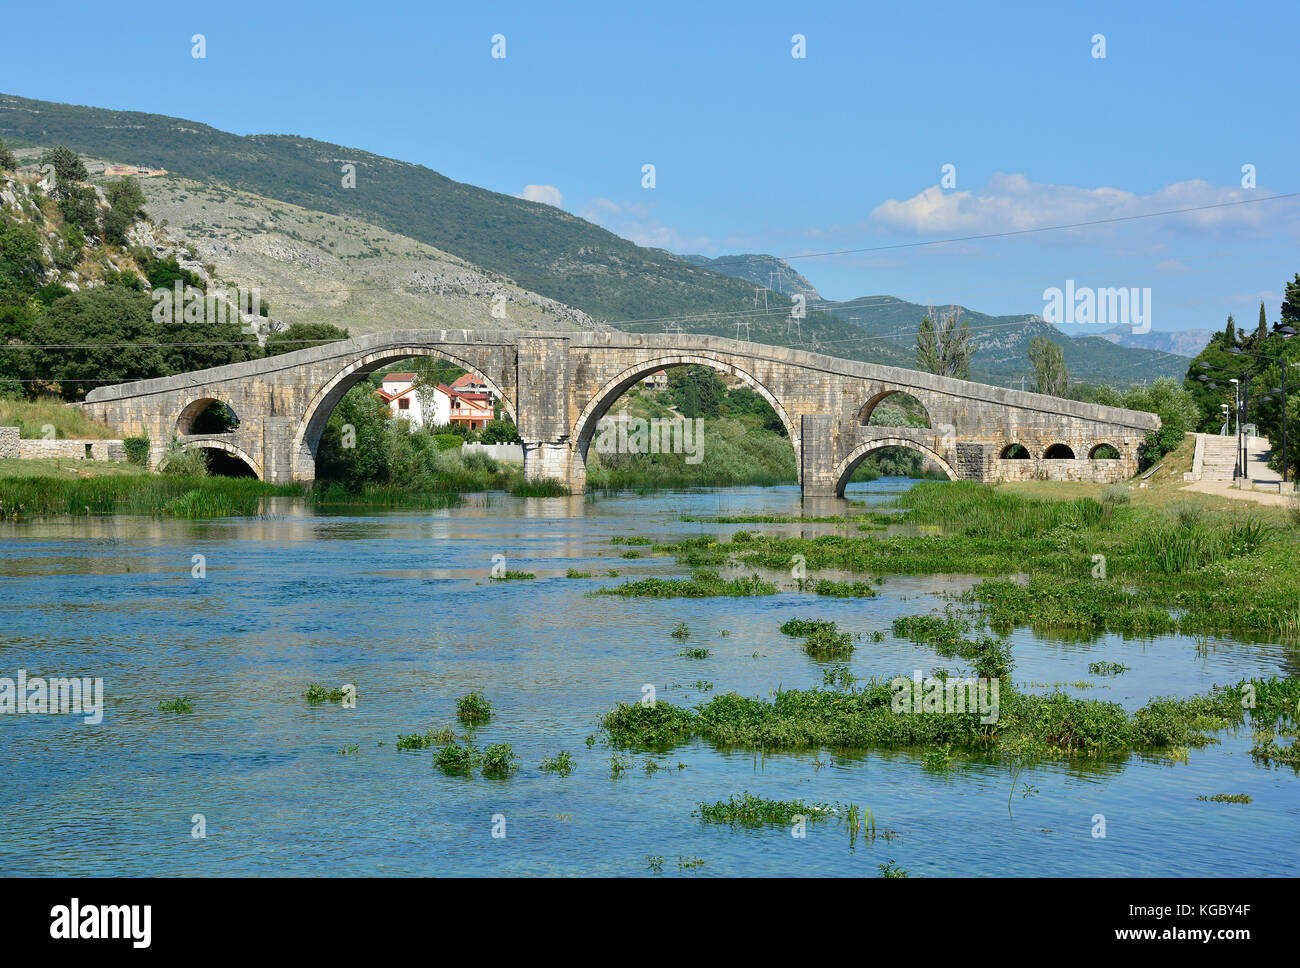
x,y
1285,331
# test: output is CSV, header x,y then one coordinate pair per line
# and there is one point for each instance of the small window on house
x,y
404,403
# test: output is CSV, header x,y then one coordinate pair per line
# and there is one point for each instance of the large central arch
x,y
312,425
844,470
584,429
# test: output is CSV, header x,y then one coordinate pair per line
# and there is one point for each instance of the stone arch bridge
x,y
558,386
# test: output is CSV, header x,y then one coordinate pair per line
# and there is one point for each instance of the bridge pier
x,y
817,455
543,406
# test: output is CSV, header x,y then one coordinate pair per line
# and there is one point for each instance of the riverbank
x,y
1114,561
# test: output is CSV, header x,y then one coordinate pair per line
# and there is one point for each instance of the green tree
x,y
68,170
80,208
500,432
1291,302
1048,361
1262,331
125,196
943,345
97,336
7,160
301,336
20,261
353,448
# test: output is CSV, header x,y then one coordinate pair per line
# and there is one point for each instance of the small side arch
x,y
212,443
874,402
190,417
1014,452
844,470
1104,451
1058,452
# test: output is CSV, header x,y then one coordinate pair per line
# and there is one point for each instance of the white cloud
x,y
546,194
636,223
1008,203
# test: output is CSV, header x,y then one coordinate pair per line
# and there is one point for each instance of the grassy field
x,y
31,417
68,469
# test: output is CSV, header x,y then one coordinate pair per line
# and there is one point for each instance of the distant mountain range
x,y
1186,342
272,210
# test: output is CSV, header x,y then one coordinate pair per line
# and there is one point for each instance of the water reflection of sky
x,y
400,605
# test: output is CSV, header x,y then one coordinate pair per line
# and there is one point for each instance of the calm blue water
x,y
399,604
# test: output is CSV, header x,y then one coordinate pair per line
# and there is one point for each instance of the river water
x,y
400,605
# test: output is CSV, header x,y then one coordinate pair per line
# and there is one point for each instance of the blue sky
x,y
755,150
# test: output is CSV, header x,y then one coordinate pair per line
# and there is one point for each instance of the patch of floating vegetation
x,y
1165,571
749,810
844,589
426,740
498,760
681,631
316,693
701,584
1227,798
1107,668
574,573
630,540
455,760
693,653
821,640
1026,726
561,763
991,657
513,576
181,704
473,708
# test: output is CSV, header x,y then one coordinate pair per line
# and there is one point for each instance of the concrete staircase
x,y
1216,459
1219,458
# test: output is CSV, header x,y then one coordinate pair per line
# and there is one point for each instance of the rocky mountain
x,y
766,271
400,244
1187,342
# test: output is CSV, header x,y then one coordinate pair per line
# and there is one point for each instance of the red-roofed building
x,y
444,405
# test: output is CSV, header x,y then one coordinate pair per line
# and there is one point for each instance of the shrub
x,y
184,461
448,441
137,450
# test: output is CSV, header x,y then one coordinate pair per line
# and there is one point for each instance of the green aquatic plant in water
x,y
561,763
427,740
182,704
316,693
456,760
498,760
1107,668
702,584
821,640
1028,727
473,708
749,810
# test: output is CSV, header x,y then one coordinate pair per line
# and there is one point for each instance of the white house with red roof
x,y
444,405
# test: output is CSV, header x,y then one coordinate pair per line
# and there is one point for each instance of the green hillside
x,y
540,247
551,252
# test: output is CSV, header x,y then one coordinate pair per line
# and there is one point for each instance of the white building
x,y
442,405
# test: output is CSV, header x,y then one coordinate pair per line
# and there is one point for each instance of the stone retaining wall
x,y
14,446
